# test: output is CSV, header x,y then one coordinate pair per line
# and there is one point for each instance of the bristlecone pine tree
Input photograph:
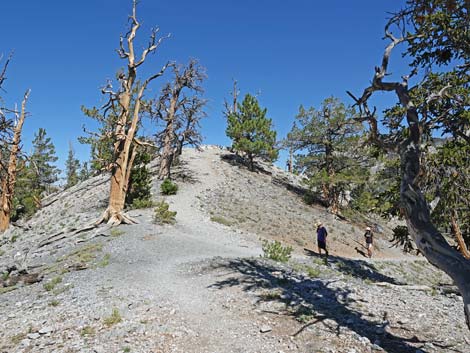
x,y
251,131
126,103
179,108
329,139
436,39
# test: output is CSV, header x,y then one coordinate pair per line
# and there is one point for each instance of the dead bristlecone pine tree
x,y
9,175
126,103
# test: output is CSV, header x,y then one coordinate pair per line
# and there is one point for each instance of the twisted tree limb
x,y
415,209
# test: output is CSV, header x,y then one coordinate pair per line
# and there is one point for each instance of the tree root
x,y
113,218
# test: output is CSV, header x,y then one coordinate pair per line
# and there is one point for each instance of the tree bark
x,y
458,235
168,149
291,160
8,184
428,239
127,124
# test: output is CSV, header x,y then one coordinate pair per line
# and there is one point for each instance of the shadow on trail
x,y
238,161
313,299
359,251
183,173
364,270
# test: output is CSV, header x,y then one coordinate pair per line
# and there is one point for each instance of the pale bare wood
x,y
458,235
187,78
127,122
427,237
8,184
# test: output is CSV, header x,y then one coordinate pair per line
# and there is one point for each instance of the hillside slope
x,y
200,286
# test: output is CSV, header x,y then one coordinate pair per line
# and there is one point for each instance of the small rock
x,y
34,335
265,328
45,330
26,342
429,345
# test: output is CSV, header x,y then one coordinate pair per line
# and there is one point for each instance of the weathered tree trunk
x,y
127,124
334,201
168,149
8,184
251,161
428,239
329,192
180,107
458,235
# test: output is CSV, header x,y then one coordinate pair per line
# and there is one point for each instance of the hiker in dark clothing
x,y
321,238
369,241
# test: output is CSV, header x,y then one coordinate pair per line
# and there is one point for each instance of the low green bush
x,y
162,213
275,251
221,220
49,286
115,318
168,187
138,204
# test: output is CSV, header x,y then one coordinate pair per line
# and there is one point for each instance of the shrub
x,y
168,187
115,318
87,331
221,220
275,251
310,197
163,215
49,286
313,272
141,203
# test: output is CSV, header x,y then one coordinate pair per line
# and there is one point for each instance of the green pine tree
x,y
328,140
101,143
72,166
42,161
140,181
26,200
35,177
84,172
251,131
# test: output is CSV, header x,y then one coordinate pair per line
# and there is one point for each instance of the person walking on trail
x,y
321,238
369,241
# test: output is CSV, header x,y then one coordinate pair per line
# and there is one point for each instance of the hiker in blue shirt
x,y
321,238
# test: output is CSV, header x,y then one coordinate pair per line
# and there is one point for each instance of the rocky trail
x,y
201,286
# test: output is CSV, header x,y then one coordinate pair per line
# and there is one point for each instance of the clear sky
x,y
291,52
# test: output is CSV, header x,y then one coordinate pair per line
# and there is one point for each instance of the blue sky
x,y
291,52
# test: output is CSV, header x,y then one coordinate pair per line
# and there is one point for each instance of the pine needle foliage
x,y
251,131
